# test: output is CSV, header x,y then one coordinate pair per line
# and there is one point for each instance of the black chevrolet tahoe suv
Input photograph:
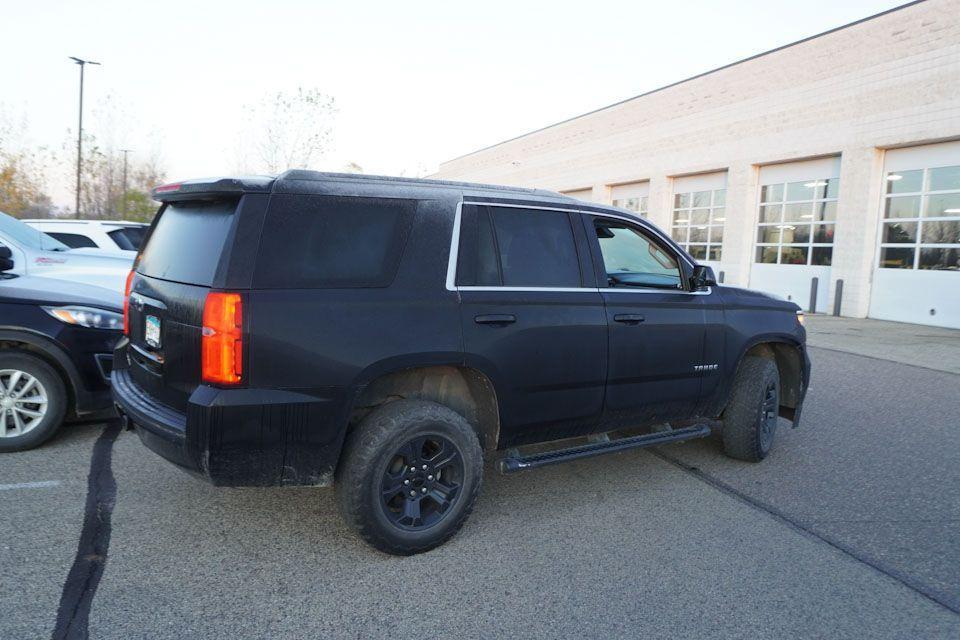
x,y
381,334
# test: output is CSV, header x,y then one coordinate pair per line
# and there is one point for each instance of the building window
x,y
632,196
698,218
921,220
797,221
636,204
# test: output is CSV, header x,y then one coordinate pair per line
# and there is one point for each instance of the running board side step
x,y
513,463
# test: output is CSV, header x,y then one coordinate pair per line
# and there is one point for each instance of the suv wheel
x,y
409,476
33,401
750,419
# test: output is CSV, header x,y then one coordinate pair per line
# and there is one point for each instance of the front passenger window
x,y
632,259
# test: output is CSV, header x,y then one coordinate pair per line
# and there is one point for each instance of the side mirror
x,y
6,258
702,278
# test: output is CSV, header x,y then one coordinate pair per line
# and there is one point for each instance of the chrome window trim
x,y
555,289
672,292
455,251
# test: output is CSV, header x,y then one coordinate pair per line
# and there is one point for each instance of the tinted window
x,y
488,264
73,240
536,248
330,242
187,242
128,238
632,259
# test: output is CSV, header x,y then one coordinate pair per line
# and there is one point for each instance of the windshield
x,y
26,235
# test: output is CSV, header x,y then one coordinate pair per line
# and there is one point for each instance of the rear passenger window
x,y
515,247
312,242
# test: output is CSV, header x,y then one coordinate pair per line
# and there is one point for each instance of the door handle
x,y
495,318
629,318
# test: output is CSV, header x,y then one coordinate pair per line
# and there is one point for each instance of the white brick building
x,y
836,158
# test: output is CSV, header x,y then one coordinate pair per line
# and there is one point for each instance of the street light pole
x,y
82,64
125,152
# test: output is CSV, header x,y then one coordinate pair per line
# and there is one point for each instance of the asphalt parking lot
x,y
849,529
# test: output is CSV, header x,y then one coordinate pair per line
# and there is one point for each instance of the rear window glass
x,y
187,242
312,242
128,238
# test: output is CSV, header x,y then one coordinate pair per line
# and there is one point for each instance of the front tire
x,y
409,476
33,401
750,419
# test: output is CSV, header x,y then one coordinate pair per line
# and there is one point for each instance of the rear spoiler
x,y
212,188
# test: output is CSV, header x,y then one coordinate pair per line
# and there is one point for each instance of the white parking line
x,y
30,485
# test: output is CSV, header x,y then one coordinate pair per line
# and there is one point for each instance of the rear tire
x,y
409,476
750,419
25,377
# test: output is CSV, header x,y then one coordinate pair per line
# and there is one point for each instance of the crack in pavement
x,y
946,600
73,613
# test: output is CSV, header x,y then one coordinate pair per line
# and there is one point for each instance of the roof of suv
x,y
301,180
102,223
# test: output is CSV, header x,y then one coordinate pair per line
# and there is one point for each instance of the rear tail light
x,y
221,348
126,303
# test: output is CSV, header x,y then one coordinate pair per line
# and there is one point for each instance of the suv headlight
x,y
800,318
87,317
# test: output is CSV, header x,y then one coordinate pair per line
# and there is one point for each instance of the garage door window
x,y
636,204
797,221
698,218
921,220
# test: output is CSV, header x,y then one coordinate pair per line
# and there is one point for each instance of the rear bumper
x,y
161,429
239,437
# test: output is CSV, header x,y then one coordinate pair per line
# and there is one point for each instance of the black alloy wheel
x,y
421,482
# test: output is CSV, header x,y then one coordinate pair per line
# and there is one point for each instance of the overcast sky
x,y
416,83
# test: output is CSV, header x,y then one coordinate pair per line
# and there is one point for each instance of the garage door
x,y
917,271
579,194
797,211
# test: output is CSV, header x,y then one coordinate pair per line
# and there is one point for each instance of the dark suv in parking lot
x,y
380,334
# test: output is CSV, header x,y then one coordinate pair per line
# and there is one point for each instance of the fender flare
x,y
397,364
770,338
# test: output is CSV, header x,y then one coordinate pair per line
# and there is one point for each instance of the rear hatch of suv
x,y
187,254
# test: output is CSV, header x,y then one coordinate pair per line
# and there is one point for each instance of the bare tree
x,y
102,173
286,130
23,170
